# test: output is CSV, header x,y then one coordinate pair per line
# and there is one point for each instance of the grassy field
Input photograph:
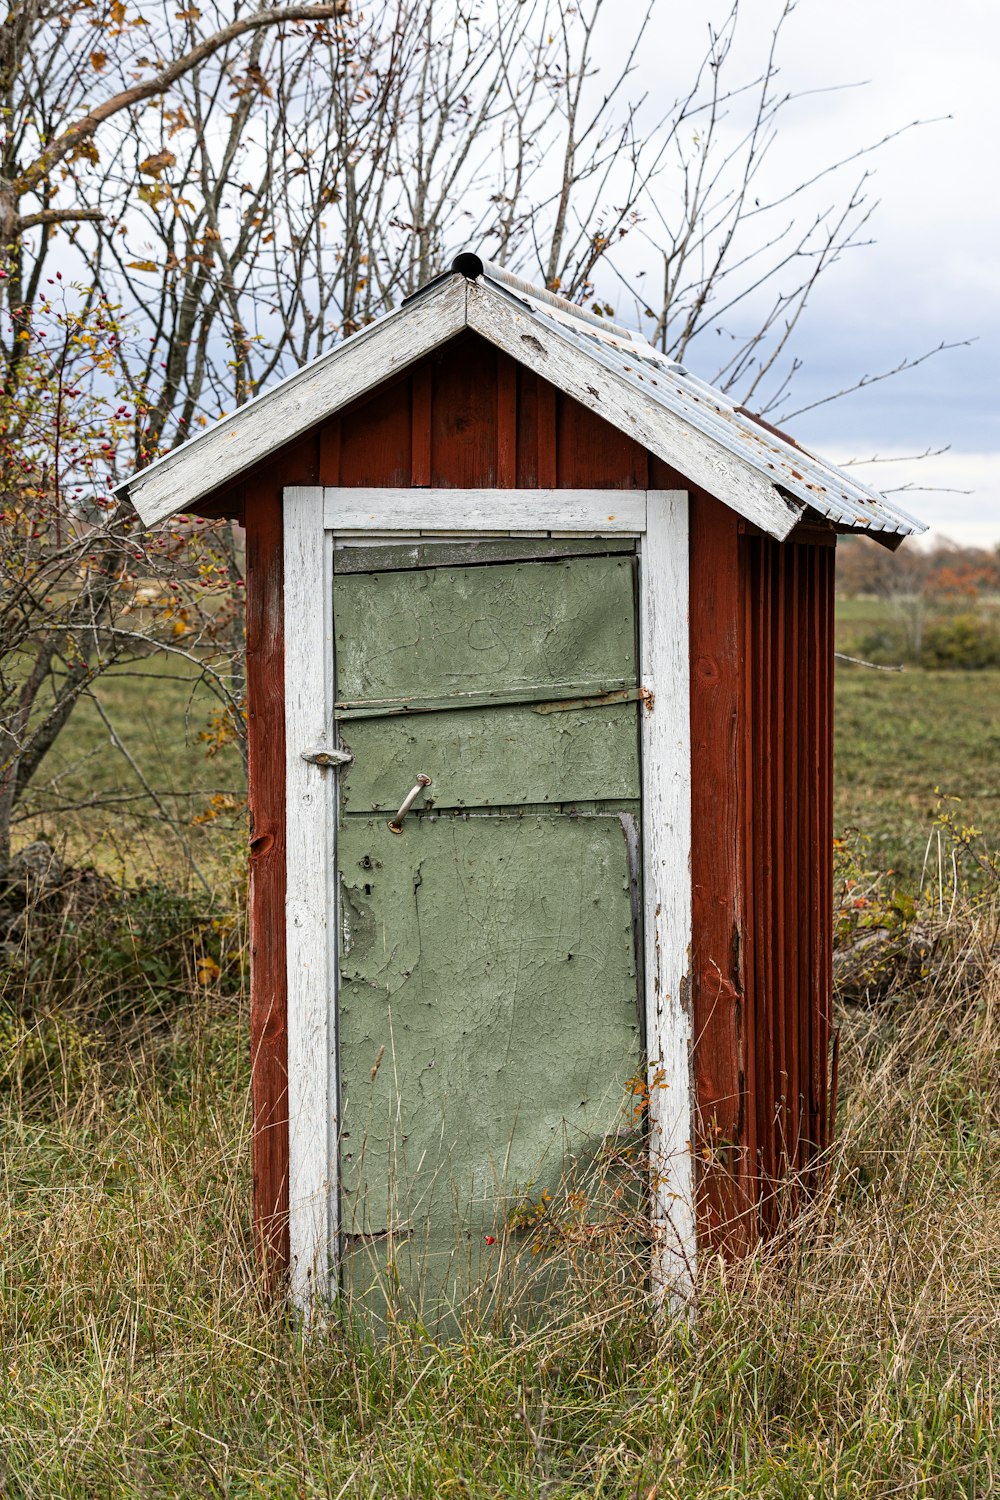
x,y
142,735
904,739
857,1358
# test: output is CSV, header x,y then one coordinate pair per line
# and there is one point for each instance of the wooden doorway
x,y
351,641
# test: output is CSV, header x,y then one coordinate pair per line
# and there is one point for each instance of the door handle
x,y
395,824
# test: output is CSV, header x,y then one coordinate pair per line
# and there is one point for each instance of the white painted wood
x,y
311,895
705,462
661,520
224,451
665,716
595,512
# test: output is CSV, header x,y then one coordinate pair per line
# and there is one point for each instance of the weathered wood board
x,y
490,1013
493,757
447,630
489,1027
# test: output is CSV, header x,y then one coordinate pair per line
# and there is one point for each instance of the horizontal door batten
x,y
547,698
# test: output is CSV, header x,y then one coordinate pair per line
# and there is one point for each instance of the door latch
x,y
325,758
396,824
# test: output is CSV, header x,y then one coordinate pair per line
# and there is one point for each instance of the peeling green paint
x,y
492,757
447,629
393,556
493,961
488,1021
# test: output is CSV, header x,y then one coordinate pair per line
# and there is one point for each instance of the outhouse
x,y
539,648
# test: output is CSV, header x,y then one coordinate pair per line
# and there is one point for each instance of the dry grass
x,y
857,1357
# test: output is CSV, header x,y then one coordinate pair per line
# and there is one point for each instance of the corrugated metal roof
x,y
837,496
761,473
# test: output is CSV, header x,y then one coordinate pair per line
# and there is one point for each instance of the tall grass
x,y
854,1356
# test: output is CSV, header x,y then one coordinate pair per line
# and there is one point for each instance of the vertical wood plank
x,y
464,416
749,940
329,451
592,454
760,853
268,984
420,425
824,854
796,731
527,429
506,423
548,447
717,898
808,661
666,831
310,906
376,444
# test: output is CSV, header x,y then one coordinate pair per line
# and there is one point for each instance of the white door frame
x,y
314,520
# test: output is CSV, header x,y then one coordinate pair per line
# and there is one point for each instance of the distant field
x,y
863,616
156,709
901,735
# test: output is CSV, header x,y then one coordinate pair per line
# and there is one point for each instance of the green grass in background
x,y
901,735
157,708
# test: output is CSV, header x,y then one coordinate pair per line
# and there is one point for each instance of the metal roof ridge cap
x,y
604,335
476,268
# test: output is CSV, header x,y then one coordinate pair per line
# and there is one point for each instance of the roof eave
x,y
544,340
231,446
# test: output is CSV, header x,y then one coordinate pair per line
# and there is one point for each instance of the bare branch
x,y
905,458
867,380
58,216
164,80
875,666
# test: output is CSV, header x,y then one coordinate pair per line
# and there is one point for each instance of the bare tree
x,y
66,557
245,187
272,203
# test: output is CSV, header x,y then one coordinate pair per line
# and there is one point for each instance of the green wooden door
x,y
489,1021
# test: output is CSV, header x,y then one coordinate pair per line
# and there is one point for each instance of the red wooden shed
x,y
504,550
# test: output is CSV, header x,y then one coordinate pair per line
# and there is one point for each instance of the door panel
x,y
489,1028
491,958
441,631
498,757
489,1020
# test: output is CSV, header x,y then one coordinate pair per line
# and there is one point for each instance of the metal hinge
x,y
326,758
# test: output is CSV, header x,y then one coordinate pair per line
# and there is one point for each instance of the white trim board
x,y
313,519
595,512
310,897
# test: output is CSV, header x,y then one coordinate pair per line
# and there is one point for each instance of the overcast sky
x,y
933,275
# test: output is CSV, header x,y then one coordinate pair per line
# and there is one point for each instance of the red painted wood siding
x,y
787,838
723,1049
467,416
261,501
